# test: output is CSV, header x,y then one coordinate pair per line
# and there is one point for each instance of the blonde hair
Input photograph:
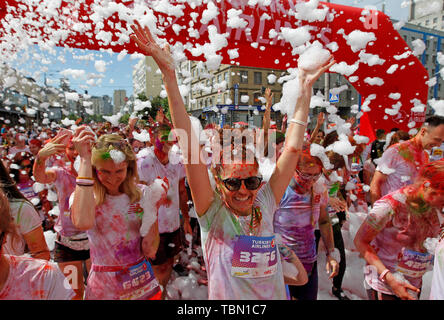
x,y
100,153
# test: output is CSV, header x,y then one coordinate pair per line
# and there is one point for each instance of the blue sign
x,y
334,98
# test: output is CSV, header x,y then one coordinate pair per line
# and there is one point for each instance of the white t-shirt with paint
x,y
220,231
437,290
149,169
401,163
35,279
27,219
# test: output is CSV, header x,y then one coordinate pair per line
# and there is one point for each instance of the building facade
x,y
119,100
147,78
427,13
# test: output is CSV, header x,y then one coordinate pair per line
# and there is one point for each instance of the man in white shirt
x,y
400,163
157,162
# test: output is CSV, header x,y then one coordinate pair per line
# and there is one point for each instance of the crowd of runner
x,y
123,208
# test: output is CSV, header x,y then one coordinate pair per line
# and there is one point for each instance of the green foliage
x,y
156,103
124,119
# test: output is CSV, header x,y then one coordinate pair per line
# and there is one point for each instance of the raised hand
x,y
308,77
53,147
145,41
83,140
321,118
351,120
268,97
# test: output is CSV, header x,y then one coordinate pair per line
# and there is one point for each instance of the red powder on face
x,y
307,160
434,173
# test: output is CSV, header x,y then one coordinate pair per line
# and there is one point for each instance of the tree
x,y
124,119
156,103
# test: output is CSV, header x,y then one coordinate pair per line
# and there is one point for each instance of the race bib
x,y
254,257
413,264
138,282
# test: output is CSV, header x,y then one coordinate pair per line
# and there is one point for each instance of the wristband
x,y
302,123
84,182
383,274
87,178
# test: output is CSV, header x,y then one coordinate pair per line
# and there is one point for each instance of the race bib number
x,y
138,282
413,264
254,257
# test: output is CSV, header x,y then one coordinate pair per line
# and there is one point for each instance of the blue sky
x,y
118,74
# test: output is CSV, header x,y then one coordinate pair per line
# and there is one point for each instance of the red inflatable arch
x,y
409,79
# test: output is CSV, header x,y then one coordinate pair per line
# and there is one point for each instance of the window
x,y
258,78
243,76
256,100
427,22
219,78
435,20
226,77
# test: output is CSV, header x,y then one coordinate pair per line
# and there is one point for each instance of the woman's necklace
x,y
253,225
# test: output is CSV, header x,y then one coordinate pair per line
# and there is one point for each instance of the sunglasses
x,y
234,184
306,176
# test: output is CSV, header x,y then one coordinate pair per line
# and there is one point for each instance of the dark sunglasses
x,y
234,184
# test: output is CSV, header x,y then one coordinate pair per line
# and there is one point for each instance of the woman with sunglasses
x,y
391,238
302,207
238,242
28,222
24,278
109,204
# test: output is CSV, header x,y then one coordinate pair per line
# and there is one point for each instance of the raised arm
x,y
320,120
267,113
42,175
83,207
295,133
196,170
